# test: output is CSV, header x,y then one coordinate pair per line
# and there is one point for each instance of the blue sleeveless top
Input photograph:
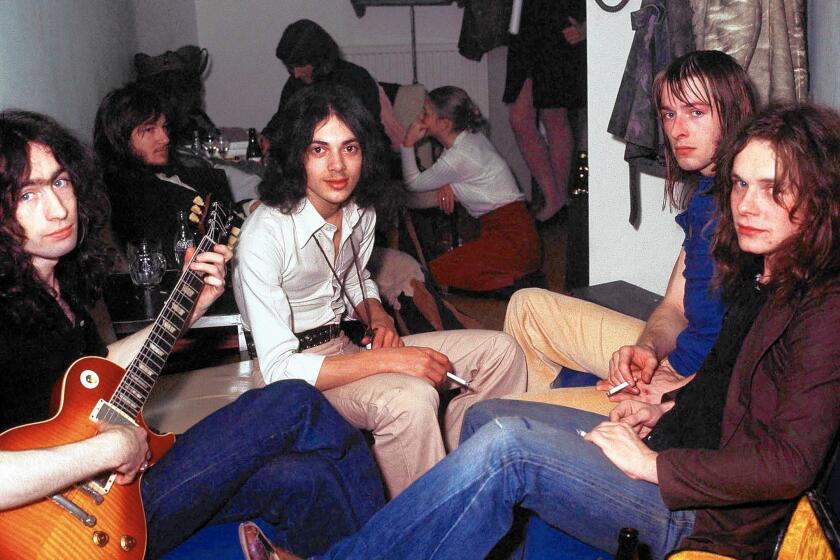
x,y
703,309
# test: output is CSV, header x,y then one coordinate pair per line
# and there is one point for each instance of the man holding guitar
x,y
258,457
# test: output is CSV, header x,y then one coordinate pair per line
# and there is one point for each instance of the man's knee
x,y
292,392
498,435
521,300
505,350
412,403
480,414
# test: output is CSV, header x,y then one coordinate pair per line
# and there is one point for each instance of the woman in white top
x,y
472,172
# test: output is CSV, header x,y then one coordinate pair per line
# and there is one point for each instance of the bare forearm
x,y
661,331
26,476
378,315
417,361
123,350
343,369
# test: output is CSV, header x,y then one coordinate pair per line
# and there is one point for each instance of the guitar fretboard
x,y
142,373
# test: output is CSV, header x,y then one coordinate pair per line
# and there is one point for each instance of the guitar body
x,y
45,529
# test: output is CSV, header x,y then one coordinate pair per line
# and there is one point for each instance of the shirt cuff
x,y
299,365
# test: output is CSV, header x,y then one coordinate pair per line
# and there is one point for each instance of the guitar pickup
x,y
106,412
91,492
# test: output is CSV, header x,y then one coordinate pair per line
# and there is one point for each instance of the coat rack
x,y
359,6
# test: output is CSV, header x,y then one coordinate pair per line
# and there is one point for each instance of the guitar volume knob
x,y
127,542
100,538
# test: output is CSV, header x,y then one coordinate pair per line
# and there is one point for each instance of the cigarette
x,y
581,433
459,380
618,388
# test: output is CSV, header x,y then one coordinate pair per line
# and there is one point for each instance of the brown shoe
x,y
256,546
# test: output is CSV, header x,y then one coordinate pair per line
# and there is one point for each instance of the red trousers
x,y
507,248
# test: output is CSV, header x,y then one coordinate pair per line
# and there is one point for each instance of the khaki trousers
x,y
402,411
557,331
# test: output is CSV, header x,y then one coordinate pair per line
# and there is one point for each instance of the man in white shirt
x,y
300,265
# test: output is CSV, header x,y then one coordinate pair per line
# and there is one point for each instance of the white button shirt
x,y
283,284
480,177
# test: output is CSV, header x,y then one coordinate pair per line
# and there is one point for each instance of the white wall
x,y
164,25
616,250
61,58
244,87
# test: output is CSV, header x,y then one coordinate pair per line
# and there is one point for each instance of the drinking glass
x,y
210,146
223,145
146,263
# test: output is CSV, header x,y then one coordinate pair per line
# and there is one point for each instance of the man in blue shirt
x,y
701,98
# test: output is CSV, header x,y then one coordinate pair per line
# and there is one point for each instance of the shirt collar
x,y
308,221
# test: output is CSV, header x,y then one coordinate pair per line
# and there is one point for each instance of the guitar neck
x,y
143,371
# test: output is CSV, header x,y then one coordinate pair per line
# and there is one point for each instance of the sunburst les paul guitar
x,y
97,518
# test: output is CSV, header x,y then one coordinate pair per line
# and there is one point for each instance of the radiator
x,y
437,65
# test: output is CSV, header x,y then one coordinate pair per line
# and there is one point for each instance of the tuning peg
x,y
233,237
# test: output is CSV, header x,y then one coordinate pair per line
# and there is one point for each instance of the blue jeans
x,y
280,453
521,454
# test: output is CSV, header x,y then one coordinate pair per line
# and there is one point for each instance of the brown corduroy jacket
x,y
781,416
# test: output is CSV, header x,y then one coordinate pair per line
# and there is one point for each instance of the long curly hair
x,y
80,273
720,82
284,185
455,104
806,142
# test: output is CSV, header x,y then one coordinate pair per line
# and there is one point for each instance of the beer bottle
x,y
253,153
628,544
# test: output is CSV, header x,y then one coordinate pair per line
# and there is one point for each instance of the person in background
x,y
281,453
147,186
472,172
300,268
311,56
720,468
546,78
701,97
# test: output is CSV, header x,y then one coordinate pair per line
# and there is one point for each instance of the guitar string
x,y
128,390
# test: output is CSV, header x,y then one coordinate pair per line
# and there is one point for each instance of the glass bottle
x,y
183,237
628,544
253,153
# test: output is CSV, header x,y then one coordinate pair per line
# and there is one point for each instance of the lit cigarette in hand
x,y
459,380
618,388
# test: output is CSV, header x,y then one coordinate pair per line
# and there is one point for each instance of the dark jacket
x,y
662,33
142,205
780,420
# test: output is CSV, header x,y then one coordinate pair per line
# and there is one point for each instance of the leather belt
x,y
317,336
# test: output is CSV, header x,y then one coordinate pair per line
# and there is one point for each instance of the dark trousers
x,y
281,453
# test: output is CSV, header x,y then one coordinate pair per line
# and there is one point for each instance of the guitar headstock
x,y
201,213
217,222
